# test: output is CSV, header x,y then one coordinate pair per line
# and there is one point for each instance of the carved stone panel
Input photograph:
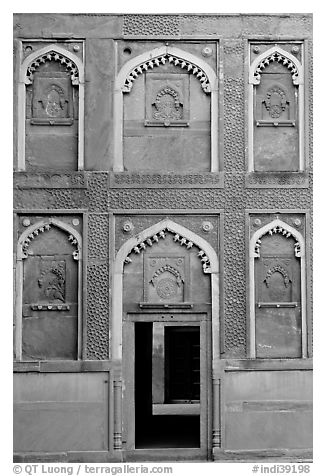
x,y
167,100
52,100
165,278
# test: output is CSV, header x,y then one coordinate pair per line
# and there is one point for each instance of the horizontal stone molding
x,y
277,180
62,366
166,180
26,180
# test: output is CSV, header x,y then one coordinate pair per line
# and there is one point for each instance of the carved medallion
x,y
275,102
166,288
167,106
165,277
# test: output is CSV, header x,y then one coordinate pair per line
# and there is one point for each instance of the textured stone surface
x,y
149,25
97,344
98,236
234,285
234,124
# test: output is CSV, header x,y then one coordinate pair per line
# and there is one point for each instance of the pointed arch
x,y
148,60
64,56
43,226
275,53
31,62
118,270
141,63
278,54
167,225
276,226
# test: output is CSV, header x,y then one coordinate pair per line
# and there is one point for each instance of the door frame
x,y
179,319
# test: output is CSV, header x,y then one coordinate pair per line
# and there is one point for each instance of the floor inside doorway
x,y
169,432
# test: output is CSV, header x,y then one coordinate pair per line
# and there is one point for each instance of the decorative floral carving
x,y
166,288
167,106
207,226
275,101
150,64
52,280
53,56
169,269
277,269
207,51
128,227
278,57
171,180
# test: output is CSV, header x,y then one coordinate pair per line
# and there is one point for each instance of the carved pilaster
x,y
216,442
117,430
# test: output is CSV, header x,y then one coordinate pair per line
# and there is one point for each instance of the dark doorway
x,y
176,426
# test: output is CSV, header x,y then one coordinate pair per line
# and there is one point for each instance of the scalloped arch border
x,y
24,80
252,305
292,62
139,62
33,57
42,223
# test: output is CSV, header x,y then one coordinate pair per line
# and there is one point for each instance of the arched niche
x,y
48,292
207,268
51,99
277,310
276,112
172,92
